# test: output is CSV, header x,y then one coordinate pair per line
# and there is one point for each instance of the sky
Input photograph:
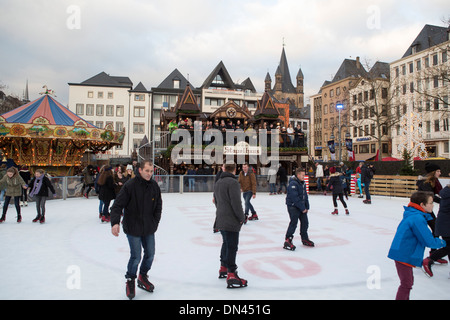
x,y
56,42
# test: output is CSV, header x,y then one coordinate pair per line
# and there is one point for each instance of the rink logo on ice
x,y
73,282
374,280
232,146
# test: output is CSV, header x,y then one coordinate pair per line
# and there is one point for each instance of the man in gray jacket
x,y
229,219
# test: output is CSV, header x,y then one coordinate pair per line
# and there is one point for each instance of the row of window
x,y
417,64
138,127
110,95
109,110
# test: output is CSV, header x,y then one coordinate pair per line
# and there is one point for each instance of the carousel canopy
x,y
45,133
46,108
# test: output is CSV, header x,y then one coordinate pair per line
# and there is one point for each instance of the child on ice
x,y
409,242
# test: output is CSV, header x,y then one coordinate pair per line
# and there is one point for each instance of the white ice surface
x,y
74,256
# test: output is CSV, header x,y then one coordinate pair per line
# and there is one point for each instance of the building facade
x,y
420,82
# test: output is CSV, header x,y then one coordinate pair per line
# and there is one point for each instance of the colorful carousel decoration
x,y
44,133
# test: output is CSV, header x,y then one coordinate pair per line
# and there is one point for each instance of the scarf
x,y
37,186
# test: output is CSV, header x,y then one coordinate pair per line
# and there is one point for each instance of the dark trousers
x,y
442,252
295,216
40,205
366,190
405,273
248,206
16,203
229,250
341,198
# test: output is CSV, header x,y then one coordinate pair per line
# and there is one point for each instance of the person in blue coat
x,y
412,236
298,205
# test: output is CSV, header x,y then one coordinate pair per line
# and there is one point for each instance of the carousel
x,y
43,133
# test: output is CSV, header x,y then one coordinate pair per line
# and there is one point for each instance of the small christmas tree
x,y
408,164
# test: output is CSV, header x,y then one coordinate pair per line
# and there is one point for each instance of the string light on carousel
x,y
44,133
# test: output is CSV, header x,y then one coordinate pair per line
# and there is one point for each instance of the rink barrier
x,y
384,185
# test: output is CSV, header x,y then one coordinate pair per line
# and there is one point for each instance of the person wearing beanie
x,y
335,184
430,183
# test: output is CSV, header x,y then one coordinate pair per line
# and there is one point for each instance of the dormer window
x,y
176,83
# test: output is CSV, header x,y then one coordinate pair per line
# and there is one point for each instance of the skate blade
x,y
222,276
145,288
289,249
236,286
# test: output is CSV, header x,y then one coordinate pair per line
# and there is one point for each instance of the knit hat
x,y
332,170
430,167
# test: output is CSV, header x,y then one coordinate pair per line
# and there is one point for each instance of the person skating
x,y
88,180
229,219
298,206
367,173
336,186
430,183
39,186
411,238
247,181
14,185
442,229
140,200
26,176
107,191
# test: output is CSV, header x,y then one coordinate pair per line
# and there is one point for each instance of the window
x,y
364,148
138,127
139,112
372,148
109,110
445,124
435,59
411,67
436,103
436,81
89,109
139,97
110,95
436,125
119,111
99,124
80,109
418,65
99,109
444,56
100,94
426,62
90,94
176,84
119,126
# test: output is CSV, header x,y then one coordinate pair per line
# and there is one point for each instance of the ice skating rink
x,y
74,256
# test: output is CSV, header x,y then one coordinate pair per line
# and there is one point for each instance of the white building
x,y
419,82
105,99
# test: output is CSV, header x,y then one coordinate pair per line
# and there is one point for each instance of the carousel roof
x,y
44,107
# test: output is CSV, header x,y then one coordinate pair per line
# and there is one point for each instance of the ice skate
x,y
308,243
38,217
335,212
441,262
426,267
19,218
346,211
143,283
223,272
253,217
288,245
42,219
130,288
233,281
3,218
367,201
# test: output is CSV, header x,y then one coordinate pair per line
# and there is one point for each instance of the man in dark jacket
x,y
140,198
298,205
367,173
229,219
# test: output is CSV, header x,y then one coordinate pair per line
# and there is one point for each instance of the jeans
x,y
319,183
105,211
272,188
191,184
136,245
281,186
40,205
366,190
405,273
295,215
229,250
248,206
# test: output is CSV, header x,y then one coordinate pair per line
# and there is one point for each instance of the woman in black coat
x,y
107,191
335,184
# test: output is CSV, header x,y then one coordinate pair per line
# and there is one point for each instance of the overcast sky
x,y
56,42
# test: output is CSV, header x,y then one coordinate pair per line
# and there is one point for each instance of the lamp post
x,y
339,107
